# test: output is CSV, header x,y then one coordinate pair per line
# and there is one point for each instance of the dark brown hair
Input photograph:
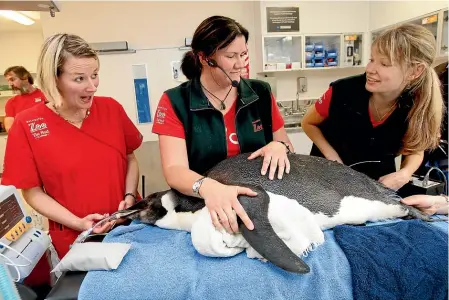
x,y
21,72
214,33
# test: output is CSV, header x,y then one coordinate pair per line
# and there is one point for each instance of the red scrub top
x,y
83,168
22,102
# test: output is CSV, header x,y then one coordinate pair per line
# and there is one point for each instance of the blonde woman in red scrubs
x,y
73,157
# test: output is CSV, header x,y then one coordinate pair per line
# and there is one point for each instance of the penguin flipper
x,y
263,238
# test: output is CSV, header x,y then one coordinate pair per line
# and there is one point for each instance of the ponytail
x,y
425,117
190,65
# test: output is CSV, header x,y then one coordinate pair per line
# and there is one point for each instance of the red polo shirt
x,y
22,102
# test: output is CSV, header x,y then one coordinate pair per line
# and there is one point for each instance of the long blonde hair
x,y
54,53
410,45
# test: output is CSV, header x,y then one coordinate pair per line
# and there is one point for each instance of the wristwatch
x,y
286,146
196,187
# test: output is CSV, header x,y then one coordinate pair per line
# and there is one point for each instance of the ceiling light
x,y
15,16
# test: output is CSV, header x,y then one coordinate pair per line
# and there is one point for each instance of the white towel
x,y
293,223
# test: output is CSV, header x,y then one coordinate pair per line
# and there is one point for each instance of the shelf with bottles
x,y
282,52
322,51
352,52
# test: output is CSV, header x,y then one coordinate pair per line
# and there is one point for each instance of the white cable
x,y
17,269
21,266
20,254
366,161
441,148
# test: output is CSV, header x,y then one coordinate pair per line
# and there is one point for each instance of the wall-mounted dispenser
x,y
301,86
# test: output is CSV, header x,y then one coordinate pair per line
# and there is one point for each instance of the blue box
x,y
310,47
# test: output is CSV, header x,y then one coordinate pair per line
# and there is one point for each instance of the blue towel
x,y
162,264
401,260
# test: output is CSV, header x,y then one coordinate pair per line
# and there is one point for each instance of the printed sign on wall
x,y
177,72
282,19
142,95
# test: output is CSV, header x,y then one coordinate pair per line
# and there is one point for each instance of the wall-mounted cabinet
x,y
352,54
282,52
296,52
435,22
430,22
444,36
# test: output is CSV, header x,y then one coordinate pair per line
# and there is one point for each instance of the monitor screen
x,y
10,214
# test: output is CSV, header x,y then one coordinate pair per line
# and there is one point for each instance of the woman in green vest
x,y
217,114
394,108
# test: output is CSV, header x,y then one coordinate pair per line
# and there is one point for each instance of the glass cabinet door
x,y
429,22
282,52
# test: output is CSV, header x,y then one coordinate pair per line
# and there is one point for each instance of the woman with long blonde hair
x,y
394,108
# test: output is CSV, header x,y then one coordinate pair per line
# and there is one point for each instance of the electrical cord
x,y
363,162
18,253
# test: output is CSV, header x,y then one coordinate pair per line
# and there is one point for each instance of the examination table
x,y
162,264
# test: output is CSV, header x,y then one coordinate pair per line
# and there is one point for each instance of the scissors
x,y
114,217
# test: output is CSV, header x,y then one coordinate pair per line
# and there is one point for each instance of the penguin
x,y
336,194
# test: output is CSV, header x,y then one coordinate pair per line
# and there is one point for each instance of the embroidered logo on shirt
x,y
160,115
38,128
37,100
320,100
257,125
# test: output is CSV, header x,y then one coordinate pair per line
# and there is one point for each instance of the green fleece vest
x,y
204,127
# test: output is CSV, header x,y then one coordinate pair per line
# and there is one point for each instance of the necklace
x,y
70,121
385,114
222,102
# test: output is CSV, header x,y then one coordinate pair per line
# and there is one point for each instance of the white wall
x,y
20,48
142,24
385,13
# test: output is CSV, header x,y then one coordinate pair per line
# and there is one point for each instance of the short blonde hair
x,y
410,45
54,53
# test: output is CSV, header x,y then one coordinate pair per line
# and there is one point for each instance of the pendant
x,y
222,106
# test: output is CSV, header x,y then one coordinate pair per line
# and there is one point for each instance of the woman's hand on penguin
x,y
274,157
428,204
223,205
395,180
90,220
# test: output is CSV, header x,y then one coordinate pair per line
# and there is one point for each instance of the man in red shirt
x,y
21,82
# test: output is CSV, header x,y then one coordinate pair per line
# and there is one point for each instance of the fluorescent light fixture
x,y
16,16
